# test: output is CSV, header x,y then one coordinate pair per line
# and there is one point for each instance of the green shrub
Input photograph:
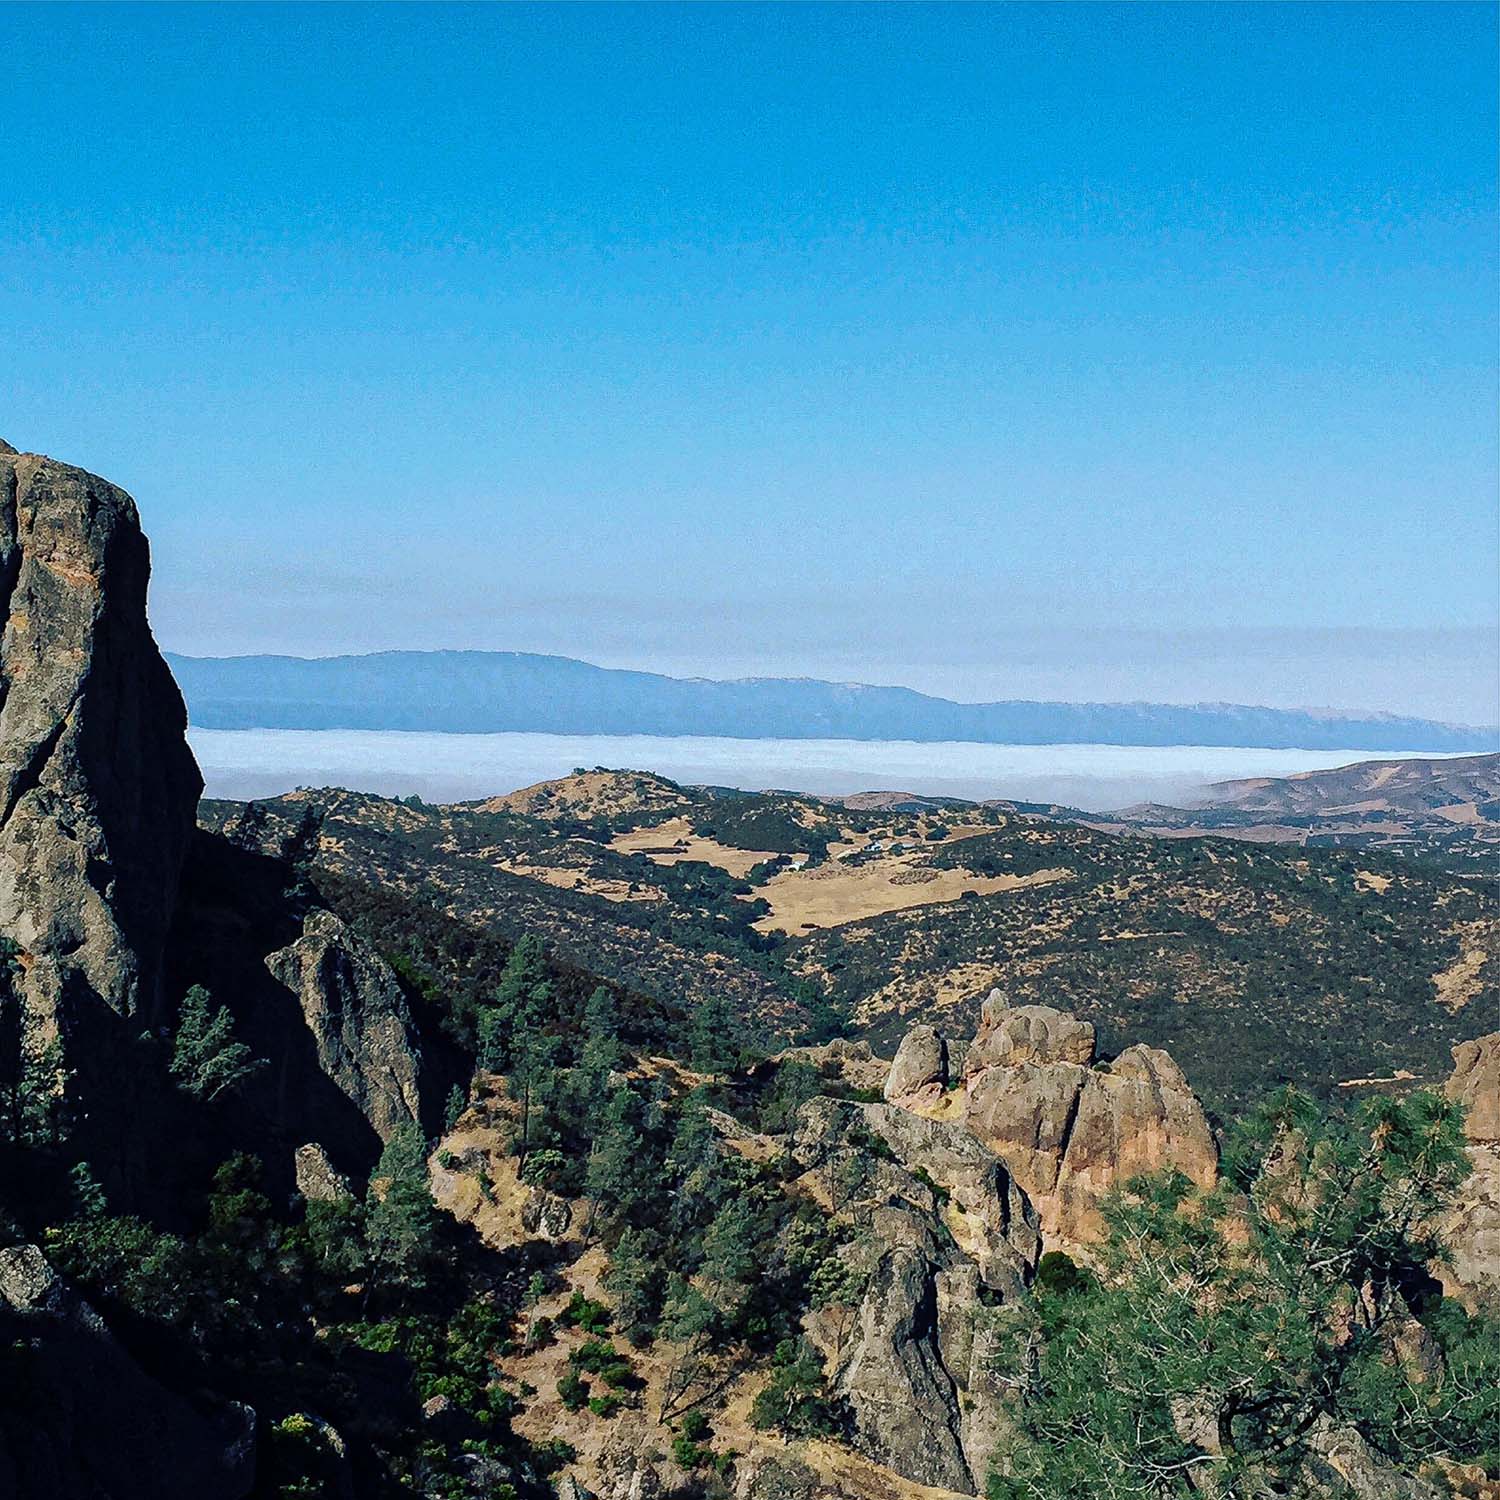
x,y
573,1389
583,1312
795,1400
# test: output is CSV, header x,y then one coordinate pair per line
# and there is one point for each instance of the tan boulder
x,y
318,1180
1475,1083
1009,1035
919,1073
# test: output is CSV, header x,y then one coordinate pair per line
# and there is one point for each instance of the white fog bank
x,y
458,767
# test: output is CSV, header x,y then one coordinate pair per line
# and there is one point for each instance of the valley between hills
x,y
616,1139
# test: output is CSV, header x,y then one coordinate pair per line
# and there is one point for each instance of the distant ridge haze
x,y
491,692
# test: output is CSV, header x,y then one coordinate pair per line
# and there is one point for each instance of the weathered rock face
x,y
97,784
939,1220
1471,1226
1067,1130
1342,1466
1475,1083
87,1420
981,1205
358,1018
546,1214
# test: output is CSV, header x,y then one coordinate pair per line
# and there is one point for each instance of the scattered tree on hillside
x,y
634,1280
796,1399
688,1323
795,1083
714,1040
600,1053
516,1036
621,1177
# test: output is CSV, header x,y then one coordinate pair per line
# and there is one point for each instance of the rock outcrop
x,y
938,1221
1475,1083
357,1015
83,1418
1470,1228
318,1180
1069,1130
97,784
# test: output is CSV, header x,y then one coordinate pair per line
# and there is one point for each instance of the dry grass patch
x,y
832,894
578,880
670,842
928,993
1460,982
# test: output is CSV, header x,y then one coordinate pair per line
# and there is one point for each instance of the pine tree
x,y
401,1223
688,1322
1268,1311
694,1169
715,1039
206,1059
730,1259
521,1005
795,1399
634,1280
600,1053
795,1083
621,1178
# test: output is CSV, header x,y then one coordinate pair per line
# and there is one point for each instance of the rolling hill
x,y
1443,811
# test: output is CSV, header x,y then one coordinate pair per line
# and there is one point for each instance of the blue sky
x,y
1067,351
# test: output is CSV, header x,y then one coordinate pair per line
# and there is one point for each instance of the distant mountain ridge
x,y
478,692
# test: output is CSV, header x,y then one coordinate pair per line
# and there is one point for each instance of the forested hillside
x,y
1256,963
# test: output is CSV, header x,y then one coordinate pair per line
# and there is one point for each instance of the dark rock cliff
x,y
115,904
97,784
